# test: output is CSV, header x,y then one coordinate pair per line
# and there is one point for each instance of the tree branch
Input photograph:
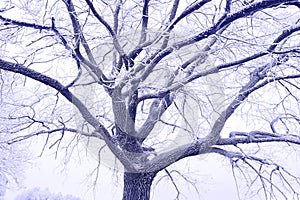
x,y
57,33
25,24
145,18
116,16
190,9
285,33
79,38
229,18
20,69
265,175
255,137
109,29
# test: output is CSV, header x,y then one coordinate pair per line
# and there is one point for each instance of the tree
x,y
13,157
132,68
11,166
38,194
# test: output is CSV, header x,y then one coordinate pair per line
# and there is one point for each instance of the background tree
x,y
13,157
214,75
11,166
38,194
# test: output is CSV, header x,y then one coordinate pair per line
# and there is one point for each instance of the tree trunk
x,y
137,185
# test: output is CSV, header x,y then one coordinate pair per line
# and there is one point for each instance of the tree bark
x,y
137,185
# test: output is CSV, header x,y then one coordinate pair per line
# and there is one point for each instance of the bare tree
x,y
11,166
38,193
13,157
134,68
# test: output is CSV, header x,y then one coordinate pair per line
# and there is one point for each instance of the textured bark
x,y
137,185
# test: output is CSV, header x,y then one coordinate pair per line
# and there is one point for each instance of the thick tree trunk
x,y
137,185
